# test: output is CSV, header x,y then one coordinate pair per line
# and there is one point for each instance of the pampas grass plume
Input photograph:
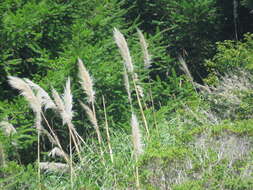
x,y
124,50
90,114
144,47
26,91
68,100
136,133
46,101
86,81
59,105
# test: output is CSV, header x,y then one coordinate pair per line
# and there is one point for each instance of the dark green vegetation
x,y
199,120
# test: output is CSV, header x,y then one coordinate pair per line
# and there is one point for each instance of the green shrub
x,y
230,56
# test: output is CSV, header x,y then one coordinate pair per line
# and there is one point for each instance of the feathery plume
x,y
185,68
138,146
60,106
90,114
127,85
27,92
65,110
42,94
67,99
92,119
123,48
86,81
144,47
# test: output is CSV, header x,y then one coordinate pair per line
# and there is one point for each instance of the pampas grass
x,y
123,49
86,81
64,106
144,47
127,85
87,85
46,101
26,91
147,59
136,135
35,104
184,67
125,53
93,120
137,144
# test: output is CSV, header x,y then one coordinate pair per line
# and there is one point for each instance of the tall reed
x,y
147,59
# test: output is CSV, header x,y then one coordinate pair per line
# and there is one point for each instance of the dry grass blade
x,y
144,47
86,81
124,50
136,134
27,92
54,167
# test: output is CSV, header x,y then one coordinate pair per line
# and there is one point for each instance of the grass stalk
x,y
55,137
93,119
107,131
141,108
153,106
38,127
71,160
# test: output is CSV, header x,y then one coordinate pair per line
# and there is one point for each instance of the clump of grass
x,y
37,98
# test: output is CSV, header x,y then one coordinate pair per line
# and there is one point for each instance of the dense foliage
x,y
195,118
